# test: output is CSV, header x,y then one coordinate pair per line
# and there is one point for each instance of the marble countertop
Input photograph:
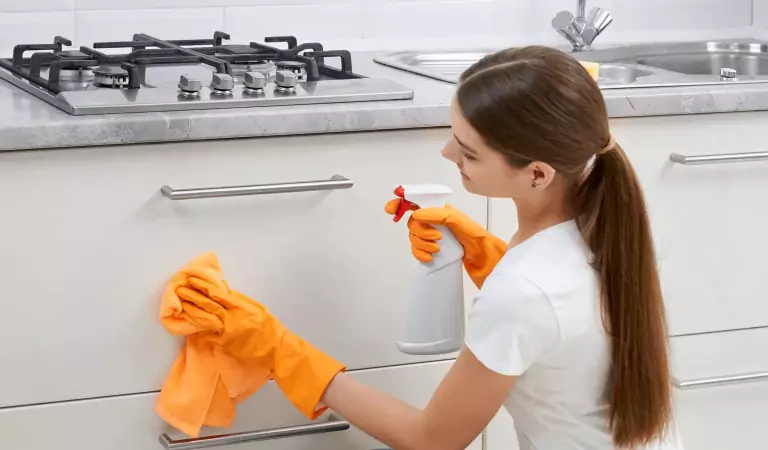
x,y
29,123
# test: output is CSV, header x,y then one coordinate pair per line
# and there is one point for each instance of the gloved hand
x,y
250,332
482,250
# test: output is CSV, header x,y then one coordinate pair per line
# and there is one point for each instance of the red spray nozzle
x,y
405,205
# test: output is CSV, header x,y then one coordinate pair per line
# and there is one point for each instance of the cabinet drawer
x,y
89,241
722,392
709,220
129,422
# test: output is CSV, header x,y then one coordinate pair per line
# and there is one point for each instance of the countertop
x,y
29,123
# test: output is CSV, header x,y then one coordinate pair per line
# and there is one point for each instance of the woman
x,y
568,330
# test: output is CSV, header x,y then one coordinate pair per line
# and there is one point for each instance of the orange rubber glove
x,y
251,333
482,250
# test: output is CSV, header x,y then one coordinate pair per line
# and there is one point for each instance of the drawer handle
x,y
333,424
720,381
715,159
336,182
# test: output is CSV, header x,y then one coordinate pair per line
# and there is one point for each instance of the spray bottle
x,y
434,309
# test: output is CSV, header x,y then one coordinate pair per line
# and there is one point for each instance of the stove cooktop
x,y
149,74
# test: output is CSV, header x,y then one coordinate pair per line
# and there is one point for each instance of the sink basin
x,y
627,66
620,74
748,58
440,65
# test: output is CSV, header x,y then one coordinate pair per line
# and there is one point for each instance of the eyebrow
x,y
464,145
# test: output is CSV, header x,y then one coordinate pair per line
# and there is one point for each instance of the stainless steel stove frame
x,y
42,75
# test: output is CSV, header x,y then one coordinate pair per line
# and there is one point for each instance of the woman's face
x,y
484,171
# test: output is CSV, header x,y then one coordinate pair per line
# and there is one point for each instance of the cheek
x,y
497,180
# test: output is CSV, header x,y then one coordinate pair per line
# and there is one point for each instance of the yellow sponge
x,y
593,68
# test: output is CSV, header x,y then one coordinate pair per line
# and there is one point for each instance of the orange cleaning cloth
x,y
205,382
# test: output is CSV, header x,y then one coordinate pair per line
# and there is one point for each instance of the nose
x,y
451,151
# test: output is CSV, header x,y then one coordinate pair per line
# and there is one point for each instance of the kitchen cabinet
x,y
722,389
89,240
500,433
709,220
129,422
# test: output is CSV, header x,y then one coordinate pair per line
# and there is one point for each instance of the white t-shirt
x,y
538,318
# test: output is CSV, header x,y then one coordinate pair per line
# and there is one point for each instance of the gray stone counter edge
x,y
236,123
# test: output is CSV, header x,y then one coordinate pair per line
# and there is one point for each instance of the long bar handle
x,y
332,425
336,182
716,159
720,381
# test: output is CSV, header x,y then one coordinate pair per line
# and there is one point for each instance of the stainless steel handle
x,y
333,424
720,381
336,182
715,159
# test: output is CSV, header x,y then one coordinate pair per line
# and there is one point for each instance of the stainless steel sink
x,y
628,66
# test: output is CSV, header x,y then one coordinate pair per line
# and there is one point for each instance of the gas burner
x,y
111,77
297,67
76,74
239,69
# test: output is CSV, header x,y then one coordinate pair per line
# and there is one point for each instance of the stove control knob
x,y
222,82
286,80
190,85
254,80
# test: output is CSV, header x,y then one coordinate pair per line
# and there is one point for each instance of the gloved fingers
x,y
424,230
424,245
199,313
218,294
432,216
421,255
199,300
393,205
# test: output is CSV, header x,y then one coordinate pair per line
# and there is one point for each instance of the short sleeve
x,y
511,325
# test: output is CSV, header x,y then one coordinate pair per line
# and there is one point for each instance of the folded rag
x,y
205,382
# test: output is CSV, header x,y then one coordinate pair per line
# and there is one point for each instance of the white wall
x,y
352,23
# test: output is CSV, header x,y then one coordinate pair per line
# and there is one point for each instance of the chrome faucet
x,y
582,30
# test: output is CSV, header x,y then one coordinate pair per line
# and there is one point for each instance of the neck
x,y
534,217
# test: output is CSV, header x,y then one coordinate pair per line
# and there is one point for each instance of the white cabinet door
x,y
88,242
714,410
129,422
500,434
709,221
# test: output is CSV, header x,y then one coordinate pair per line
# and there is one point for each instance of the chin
x,y
470,187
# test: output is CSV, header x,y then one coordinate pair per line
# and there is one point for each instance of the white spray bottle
x,y
434,309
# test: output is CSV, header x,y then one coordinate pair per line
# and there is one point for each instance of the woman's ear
x,y
541,174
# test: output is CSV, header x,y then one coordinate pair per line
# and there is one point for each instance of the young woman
x,y
568,331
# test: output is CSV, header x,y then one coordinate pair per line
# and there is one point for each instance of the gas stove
x,y
150,74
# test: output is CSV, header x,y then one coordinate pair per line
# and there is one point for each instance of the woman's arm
x,y
464,403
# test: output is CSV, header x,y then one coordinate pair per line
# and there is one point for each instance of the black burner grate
x,y
147,51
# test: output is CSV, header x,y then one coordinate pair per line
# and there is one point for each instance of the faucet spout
x,y
581,30
581,9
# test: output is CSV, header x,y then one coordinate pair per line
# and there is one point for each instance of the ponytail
x,y
613,220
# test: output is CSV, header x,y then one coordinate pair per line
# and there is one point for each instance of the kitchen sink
x,y
626,66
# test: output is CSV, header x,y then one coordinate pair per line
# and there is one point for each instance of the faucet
x,y
582,30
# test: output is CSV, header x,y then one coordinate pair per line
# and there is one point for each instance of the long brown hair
x,y
539,104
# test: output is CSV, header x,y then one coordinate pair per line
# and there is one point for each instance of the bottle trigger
x,y
404,206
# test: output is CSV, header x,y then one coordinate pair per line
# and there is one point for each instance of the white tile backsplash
x,y
36,5
120,25
353,23
34,28
428,19
307,22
